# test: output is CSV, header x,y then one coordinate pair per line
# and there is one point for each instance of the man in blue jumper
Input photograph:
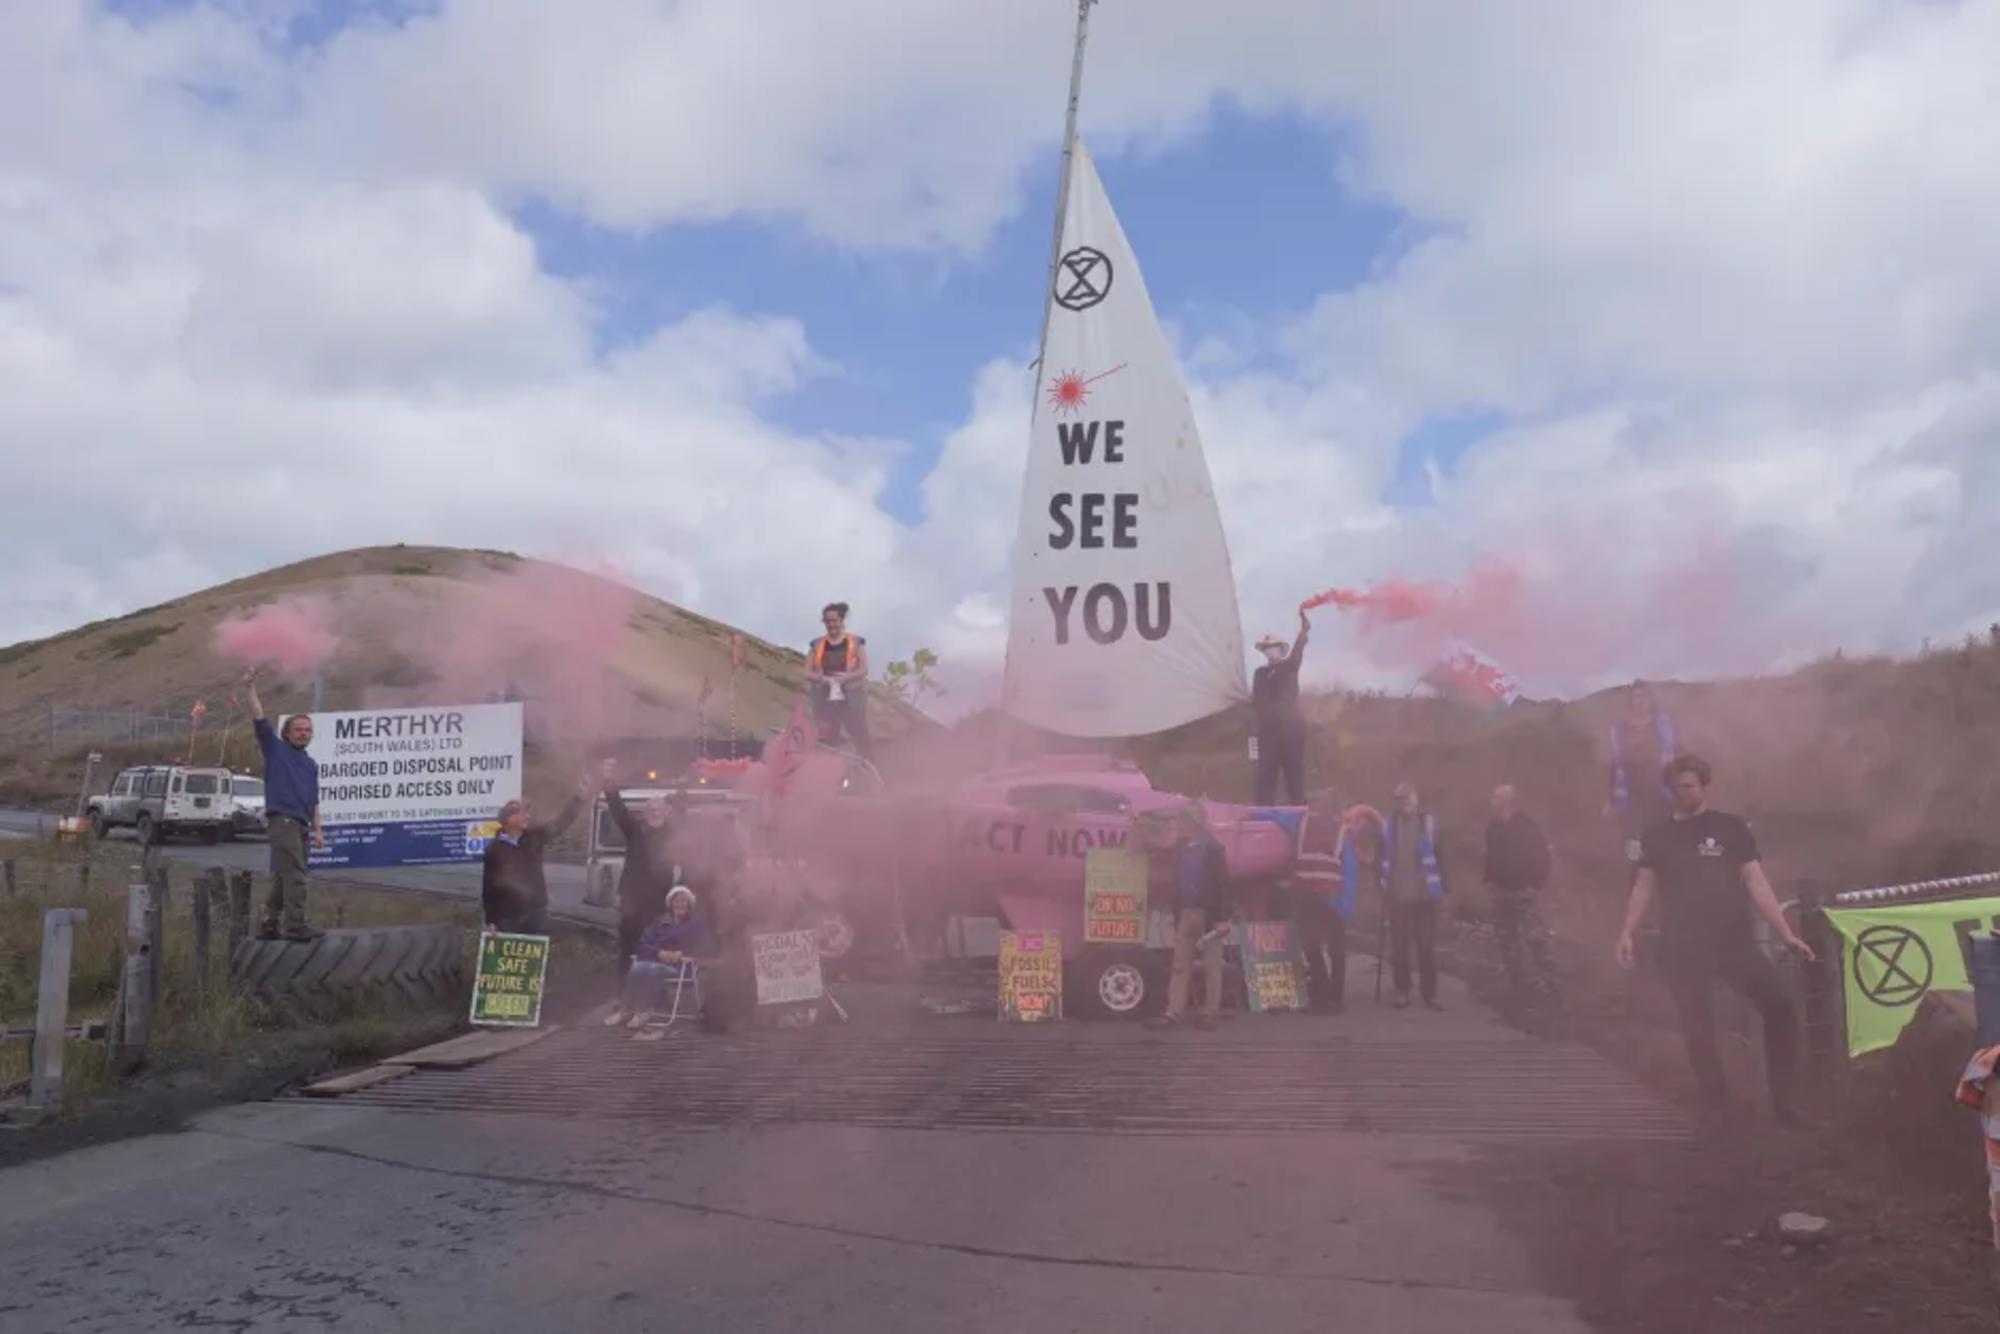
x,y
1412,880
291,805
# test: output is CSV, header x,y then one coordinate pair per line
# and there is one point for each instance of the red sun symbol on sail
x,y
1070,390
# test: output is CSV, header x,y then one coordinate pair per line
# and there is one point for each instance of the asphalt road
x,y
565,880
524,1200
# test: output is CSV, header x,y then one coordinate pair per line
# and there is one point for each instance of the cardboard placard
x,y
507,991
1030,976
1114,897
1273,978
787,967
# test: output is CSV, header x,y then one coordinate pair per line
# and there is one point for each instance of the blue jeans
x,y
646,985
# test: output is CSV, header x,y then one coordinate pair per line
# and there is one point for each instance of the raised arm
x,y
256,704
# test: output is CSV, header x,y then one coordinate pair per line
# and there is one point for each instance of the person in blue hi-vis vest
x,y
1640,745
1412,878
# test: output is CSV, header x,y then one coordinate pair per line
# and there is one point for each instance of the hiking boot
x,y
1400,1001
267,931
1163,1021
616,1017
303,934
1431,1003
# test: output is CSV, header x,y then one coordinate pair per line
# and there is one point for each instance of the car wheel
x,y
145,830
211,836
1115,984
98,829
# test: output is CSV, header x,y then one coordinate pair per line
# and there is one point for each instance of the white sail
x,y
1124,615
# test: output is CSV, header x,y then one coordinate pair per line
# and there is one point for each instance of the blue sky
x,y
282,241
1239,229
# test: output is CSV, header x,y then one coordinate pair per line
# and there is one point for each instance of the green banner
x,y
508,990
1895,956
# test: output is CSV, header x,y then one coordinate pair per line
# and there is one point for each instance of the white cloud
x,y
1727,269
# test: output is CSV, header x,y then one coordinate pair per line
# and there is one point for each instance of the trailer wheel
x,y
1116,984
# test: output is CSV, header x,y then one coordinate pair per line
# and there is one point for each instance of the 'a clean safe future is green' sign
x,y
508,990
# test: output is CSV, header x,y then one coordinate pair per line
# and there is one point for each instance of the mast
x,y
1003,728
1062,183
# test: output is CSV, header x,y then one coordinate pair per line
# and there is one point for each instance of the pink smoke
x,y
1396,599
1580,601
293,634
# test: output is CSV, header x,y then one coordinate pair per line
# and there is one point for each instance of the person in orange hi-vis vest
x,y
837,677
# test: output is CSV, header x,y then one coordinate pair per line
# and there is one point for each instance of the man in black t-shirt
x,y
1703,867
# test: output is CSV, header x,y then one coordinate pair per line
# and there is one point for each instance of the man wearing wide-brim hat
x,y
1281,723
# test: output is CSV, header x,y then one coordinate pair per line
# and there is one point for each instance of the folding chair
x,y
688,970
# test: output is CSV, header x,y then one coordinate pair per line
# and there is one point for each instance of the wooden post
x,y
239,911
52,1005
136,1009
156,933
13,886
83,880
207,890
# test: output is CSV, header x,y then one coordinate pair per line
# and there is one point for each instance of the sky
x,y
1686,315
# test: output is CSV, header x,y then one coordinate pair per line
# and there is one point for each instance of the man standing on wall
x,y
1640,743
291,806
1281,723
1413,882
1704,867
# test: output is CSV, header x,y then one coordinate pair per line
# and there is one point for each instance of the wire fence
x,y
71,727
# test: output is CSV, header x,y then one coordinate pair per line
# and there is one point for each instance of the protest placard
x,y
1114,896
1030,976
1272,976
507,990
787,967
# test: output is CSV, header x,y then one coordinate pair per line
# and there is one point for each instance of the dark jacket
x,y
1517,854
513,891
643,882
690,937
1274,694
1212,892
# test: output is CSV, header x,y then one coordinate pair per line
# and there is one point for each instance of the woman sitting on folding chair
x,y
666,970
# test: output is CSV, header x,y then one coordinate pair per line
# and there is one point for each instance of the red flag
x,y
800,739
199,709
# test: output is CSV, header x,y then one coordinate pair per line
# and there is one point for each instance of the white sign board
x,y
787,967
404,786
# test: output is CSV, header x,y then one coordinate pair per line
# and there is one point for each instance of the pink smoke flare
x,y
292,634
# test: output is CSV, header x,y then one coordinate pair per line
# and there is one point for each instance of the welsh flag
x,y
1464,673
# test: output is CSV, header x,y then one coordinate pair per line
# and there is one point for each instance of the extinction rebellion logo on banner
x,y
1897,956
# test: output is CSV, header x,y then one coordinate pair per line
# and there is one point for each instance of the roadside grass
x,y
202,1031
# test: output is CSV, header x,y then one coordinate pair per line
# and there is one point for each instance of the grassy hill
x,y
594,660
1852,771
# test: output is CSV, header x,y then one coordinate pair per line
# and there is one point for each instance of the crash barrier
x,y
1883,950
414,966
